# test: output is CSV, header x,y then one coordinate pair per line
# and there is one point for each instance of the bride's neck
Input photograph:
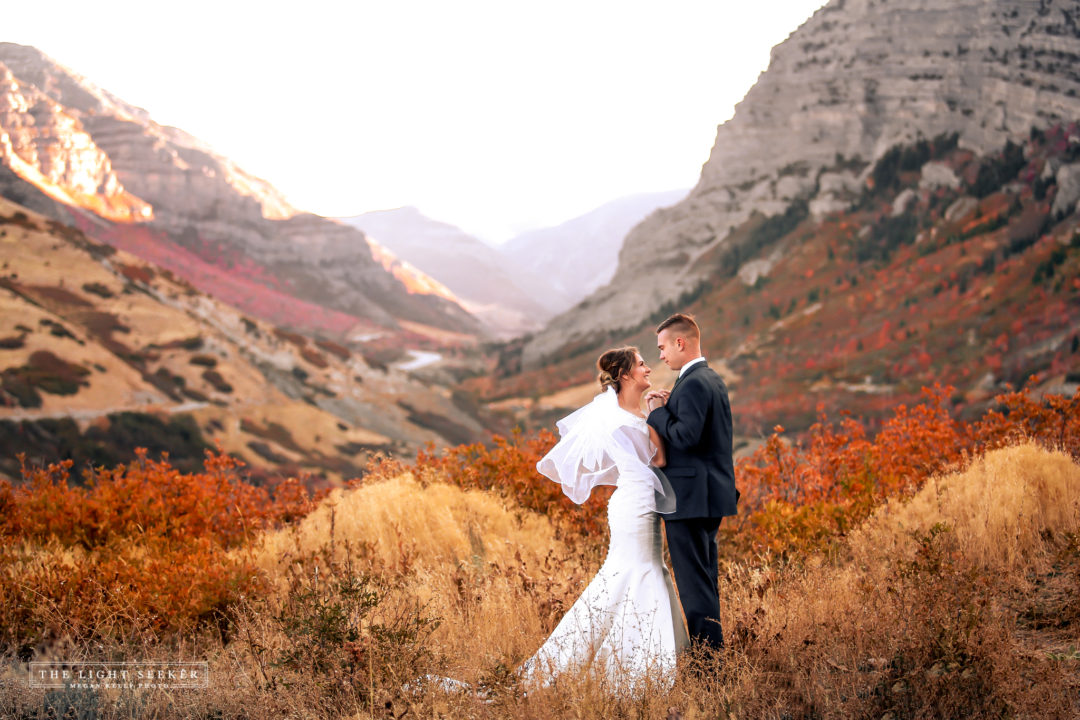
x,y
630,400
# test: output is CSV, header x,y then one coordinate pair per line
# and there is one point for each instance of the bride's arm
x,y
660,458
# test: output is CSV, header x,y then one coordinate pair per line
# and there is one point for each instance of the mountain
x,y
108,168
951,269
509,297
893,206
581,254
102,352
853,81
516,288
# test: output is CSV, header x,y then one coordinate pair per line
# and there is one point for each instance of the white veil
x,y
602,444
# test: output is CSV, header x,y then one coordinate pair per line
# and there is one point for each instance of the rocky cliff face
x,y
857,78
47,146
163,166
86,149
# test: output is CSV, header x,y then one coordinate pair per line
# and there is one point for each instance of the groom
x,y
694,419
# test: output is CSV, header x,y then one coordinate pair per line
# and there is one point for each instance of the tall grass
x,y
1009,512
496,575
917,613
402,523
910,590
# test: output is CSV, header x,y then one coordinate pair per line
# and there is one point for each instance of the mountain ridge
x,y
580,254
86,149
855,79
509,298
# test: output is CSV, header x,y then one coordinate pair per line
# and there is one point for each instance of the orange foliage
x,y
796,497
144,547
139,547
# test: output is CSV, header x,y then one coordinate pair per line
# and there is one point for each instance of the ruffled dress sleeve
x,y
602,444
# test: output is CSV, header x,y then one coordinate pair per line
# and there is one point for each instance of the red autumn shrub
x,y
140,547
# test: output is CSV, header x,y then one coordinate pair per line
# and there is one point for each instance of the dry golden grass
x,y
407,524
1002,510
911,617
925,611
915,615
463,555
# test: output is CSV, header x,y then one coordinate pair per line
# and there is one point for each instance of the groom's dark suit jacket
x,y
696,428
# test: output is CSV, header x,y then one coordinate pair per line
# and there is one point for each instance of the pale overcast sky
x,y
495,116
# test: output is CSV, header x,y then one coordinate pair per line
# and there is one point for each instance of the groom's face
x,y
672,349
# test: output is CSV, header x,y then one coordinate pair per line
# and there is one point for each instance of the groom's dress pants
x,y
692,544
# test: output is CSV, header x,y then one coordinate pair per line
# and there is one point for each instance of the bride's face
x,y
639,376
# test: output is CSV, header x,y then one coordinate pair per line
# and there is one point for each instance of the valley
x,y
888,210
103,351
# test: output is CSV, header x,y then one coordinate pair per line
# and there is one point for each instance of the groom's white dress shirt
x,y
687,366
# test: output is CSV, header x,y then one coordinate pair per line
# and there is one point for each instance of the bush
x,y
314,357
46,372
96,288
217,381
508,467
335,635
888,235
886,172
797,498
915,608
998,170
777,226
141,548
334,348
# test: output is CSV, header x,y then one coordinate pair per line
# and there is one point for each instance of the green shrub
x,y
998,170
887,236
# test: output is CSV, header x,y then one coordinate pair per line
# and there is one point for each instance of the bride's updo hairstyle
x,y
613,364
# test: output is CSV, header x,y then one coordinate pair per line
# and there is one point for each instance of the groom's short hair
x,y
681,324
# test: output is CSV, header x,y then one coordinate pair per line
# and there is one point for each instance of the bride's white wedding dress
x,y
627,626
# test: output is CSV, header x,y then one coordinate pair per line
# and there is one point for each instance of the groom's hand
x,y
656,399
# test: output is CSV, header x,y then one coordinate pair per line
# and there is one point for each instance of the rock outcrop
x,y
161,165
49,147
857,78
1068,195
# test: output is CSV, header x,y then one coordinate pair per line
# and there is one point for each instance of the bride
x,y
627,625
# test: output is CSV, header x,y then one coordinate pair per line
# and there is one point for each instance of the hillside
x,y
926,572
101,352
949,267
856,79
77,154
508,296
